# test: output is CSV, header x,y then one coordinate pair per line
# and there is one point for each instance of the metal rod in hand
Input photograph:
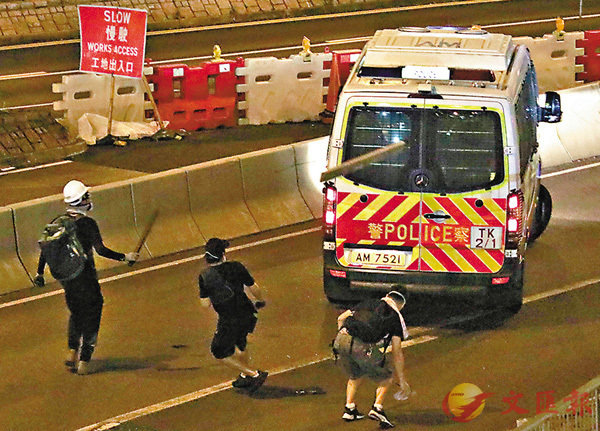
x,y
145,234
361,161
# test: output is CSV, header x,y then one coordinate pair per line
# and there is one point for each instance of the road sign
x,y
113,40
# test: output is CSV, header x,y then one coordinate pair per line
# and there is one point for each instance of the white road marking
x,y
126,417
570,170
33,168
162,266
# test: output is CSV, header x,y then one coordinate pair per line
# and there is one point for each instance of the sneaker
x,y
71,358
379,415
242,382
352,414
83,368
257,382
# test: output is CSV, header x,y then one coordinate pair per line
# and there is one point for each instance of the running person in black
x,y
83,295
223,285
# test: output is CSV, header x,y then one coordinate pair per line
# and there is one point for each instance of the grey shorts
x,y
359,359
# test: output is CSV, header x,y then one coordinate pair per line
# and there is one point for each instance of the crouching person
x,y
223,284
360,348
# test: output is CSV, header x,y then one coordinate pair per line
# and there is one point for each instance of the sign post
x,y
113,42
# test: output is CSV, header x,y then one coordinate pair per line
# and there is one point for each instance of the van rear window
x,y
456,150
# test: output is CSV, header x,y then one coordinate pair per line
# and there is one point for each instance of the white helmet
x,y
74,191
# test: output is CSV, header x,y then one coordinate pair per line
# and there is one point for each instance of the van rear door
x,y
439,204
464,205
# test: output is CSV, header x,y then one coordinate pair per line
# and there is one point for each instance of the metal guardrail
x,y
578,411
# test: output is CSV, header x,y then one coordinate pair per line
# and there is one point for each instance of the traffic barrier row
x,y
193,98
282,90
229,198
226,93
554,56
590,58
341,65
90,94
575,136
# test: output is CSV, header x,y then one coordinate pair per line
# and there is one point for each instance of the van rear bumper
x,y
358,283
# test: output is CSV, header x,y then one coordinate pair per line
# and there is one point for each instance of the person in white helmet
x,y
82,293
360,346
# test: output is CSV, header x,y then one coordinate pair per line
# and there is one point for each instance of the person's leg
x,y
73,340
382,391
351,390
377,413
351,413
91,326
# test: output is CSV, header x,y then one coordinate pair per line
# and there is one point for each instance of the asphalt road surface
x,y
154,342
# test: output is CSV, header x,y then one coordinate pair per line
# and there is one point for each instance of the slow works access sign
x,y
113,40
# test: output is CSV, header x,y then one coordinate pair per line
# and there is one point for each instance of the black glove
x,y
39,280
259,304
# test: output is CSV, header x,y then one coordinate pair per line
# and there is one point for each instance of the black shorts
x,y
231,332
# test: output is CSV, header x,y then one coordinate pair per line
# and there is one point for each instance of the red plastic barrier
x,y
341,64
591,57
193,98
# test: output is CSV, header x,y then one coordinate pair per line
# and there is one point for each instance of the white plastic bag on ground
x,y
92,127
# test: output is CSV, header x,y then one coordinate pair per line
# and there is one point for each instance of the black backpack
x,y
221,291
61,248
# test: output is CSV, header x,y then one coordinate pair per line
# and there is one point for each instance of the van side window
x,y
526,113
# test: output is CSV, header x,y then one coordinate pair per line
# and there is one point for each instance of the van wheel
x,y
543,211
509,299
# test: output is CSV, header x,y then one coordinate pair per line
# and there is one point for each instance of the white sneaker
x,y
83,368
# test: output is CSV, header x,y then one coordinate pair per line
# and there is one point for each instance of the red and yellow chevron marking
x,y
397,220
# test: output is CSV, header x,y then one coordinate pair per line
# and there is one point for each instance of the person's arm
x,y
404,391
39,278
256,294
204,299
103,250
342,318
398,360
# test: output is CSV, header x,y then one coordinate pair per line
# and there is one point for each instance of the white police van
x,y
455,206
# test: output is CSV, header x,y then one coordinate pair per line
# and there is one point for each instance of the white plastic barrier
x,y
90,94
576,136
554,59
282,90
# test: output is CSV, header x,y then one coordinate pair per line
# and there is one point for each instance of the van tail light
x,y
500,280
329,211
514,222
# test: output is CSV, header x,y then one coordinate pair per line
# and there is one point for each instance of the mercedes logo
x,y
421,180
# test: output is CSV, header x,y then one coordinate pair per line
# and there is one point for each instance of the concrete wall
x,y
228,198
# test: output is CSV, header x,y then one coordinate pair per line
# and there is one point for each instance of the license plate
x,y
394,258
485,237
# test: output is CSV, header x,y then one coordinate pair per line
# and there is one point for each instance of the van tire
x,y
541,217
511,298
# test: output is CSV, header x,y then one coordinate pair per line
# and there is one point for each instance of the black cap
x,y
215,248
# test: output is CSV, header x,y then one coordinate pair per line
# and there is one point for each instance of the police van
x,y
454,206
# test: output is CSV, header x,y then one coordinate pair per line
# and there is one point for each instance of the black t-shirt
x,y
237,276
382,320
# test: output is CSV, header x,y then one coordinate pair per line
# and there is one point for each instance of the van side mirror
x,y
550,112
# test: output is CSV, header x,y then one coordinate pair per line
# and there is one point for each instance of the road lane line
x,y
197,257
126,417
33,168
571,170
163,265
192,396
